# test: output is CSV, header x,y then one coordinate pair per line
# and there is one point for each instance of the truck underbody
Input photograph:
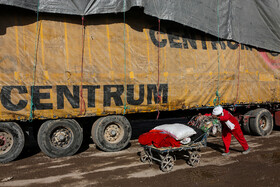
x,y
64,137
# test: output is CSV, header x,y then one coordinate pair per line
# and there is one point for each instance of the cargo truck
x,y
59,69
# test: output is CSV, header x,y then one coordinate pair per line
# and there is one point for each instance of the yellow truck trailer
x,y
59,68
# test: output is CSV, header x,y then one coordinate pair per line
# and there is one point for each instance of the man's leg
x,y
238,134
226,136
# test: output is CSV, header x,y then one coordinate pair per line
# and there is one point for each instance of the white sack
x,y
177,130
230,125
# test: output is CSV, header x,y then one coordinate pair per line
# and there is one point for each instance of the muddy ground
x,y
92,167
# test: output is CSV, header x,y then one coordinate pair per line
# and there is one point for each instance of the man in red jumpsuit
x,y
230,126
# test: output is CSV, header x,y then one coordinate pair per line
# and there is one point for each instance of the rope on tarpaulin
x,y
216,100
83,108
238,76
125,107
35,64
238,79
158,95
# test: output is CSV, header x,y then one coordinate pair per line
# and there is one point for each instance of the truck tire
x,y
246,126
261,123
11,141
111,133
59,138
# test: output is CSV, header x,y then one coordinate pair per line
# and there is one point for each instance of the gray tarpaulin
x,y
252,22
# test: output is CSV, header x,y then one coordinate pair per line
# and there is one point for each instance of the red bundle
x,y
158,139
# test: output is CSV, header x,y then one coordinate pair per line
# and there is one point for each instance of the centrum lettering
x,y
188,40
112,95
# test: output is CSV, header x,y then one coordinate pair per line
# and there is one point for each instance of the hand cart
x,y
166,156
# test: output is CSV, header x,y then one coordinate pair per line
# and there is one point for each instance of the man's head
x,y
217,111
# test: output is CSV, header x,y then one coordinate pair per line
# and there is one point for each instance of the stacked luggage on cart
x,y
164,142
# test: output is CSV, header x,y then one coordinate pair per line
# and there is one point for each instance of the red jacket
x,y
228,120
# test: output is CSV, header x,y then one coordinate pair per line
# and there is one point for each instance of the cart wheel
x,y
167,163
194,158
143,156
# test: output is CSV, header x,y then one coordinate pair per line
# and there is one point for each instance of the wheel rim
x,y
143,157
167,163
263,122
6,142
61,137
194,159
113,133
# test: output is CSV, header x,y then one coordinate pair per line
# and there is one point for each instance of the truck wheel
x,y
11,141
246,125
111,133
262,123
59,138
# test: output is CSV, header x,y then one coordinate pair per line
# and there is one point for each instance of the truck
x,y
58,70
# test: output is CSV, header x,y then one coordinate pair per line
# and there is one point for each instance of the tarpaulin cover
x,y
122,64
253,22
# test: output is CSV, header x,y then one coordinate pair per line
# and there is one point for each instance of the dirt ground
x,y
92,167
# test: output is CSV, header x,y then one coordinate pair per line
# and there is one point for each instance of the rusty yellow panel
x,y
266,77
111,67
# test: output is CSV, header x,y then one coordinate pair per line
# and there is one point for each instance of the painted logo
x,y
272,62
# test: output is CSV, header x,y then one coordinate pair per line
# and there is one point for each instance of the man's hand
x,y
214,116
198,116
